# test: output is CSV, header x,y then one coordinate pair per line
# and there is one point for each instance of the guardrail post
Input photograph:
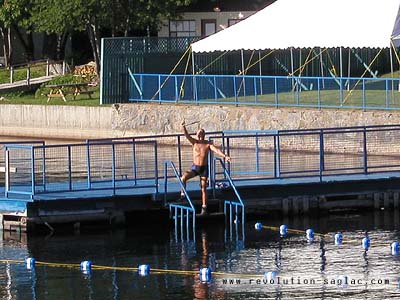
x,y
156,167
319,93
234,89
321,154
159,88
176,89
134,161
44,167
113,167
89,184
28,75
47,67
11,74
69,168
363,95
257,154
7,172
276,92
365,156
277,161
33,171
179,154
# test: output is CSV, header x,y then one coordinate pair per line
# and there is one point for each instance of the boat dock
x,y
115,180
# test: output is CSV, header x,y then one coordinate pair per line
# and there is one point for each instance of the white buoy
x,y
366,243
310,234
338,238
283,229
144,270
258,226
395,248
205,274
86,266
271,277
30,263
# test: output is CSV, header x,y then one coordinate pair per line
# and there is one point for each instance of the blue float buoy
x,y
258,226
30,263
366,243
283,229
205,274
86,266
395,248
310,234
338,238
144,270
270,277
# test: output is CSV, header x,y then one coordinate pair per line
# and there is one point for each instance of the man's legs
x,y
185,177
203,184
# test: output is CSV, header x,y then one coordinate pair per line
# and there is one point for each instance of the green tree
x,y
94,16
14,19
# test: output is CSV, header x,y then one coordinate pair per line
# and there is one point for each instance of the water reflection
x,y
306,270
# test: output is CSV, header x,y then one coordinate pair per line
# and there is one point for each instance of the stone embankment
x,y
123,120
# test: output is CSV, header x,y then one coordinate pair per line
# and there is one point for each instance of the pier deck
x,y
285,171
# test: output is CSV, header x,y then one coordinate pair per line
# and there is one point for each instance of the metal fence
x,y
322,154
273,91
142,54
33,170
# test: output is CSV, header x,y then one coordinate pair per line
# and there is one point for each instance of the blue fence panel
x,y
279,91
19,163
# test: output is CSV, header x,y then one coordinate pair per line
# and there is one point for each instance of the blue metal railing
x,y
309,154
275,91
180,213
109,166
236,204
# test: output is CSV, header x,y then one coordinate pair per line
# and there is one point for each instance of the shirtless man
x,y
201,148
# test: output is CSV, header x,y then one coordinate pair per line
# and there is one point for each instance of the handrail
x,y
183,188
226,173
270,91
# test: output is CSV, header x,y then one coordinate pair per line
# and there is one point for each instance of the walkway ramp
x,y
24,85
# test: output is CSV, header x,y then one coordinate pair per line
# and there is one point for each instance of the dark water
x,y
311,270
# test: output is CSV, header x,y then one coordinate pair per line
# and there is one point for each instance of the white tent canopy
x,y
308,24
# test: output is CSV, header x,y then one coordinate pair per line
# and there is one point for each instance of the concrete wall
x,y
73,122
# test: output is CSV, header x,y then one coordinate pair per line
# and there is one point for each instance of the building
x,y
204,18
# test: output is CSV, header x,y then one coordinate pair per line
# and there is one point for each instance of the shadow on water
x,y
306,269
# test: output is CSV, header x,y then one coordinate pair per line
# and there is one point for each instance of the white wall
x,y
221,18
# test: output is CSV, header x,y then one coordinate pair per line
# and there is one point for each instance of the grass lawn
x,y
20,73
29,98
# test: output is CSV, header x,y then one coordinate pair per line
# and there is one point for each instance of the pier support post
x,y
296,205
377,203
386,200
396,200
285,206
306,204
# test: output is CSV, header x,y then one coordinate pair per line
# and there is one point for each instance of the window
x,y
208,27
182,28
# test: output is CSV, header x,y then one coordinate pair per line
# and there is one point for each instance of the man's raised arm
x,y
186,133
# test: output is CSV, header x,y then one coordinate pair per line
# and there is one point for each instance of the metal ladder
x,y
182,214
234,210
